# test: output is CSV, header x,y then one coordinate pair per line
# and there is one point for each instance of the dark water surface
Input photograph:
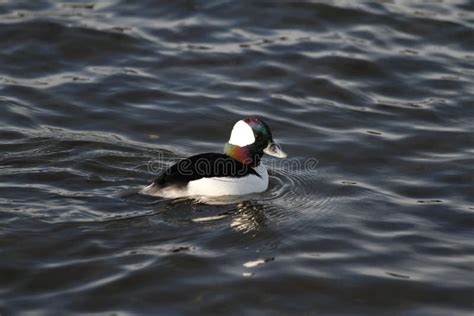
x,y
96,96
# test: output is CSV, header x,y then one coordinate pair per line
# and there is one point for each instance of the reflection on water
x,y
248,218
244,217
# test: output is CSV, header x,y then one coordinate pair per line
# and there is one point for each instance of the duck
x,y
235,172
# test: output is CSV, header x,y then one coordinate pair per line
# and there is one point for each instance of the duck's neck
x,y
248,154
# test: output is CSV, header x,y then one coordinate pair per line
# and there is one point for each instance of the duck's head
x,y
250,139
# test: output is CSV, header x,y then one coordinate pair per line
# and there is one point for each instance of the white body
x,y
217,186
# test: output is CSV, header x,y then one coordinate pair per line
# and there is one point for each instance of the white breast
x,y
220,186
217,186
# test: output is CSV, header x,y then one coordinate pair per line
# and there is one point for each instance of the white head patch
x,y
242,134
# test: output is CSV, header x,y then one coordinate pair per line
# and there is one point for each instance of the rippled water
x,y
380,93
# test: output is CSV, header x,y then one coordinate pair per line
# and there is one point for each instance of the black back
x,y
206,165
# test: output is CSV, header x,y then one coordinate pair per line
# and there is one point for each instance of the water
x,y
96,96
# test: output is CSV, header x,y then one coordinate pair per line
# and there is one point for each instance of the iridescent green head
x,y
250,139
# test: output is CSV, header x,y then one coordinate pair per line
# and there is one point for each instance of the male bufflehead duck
x,y
237,171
